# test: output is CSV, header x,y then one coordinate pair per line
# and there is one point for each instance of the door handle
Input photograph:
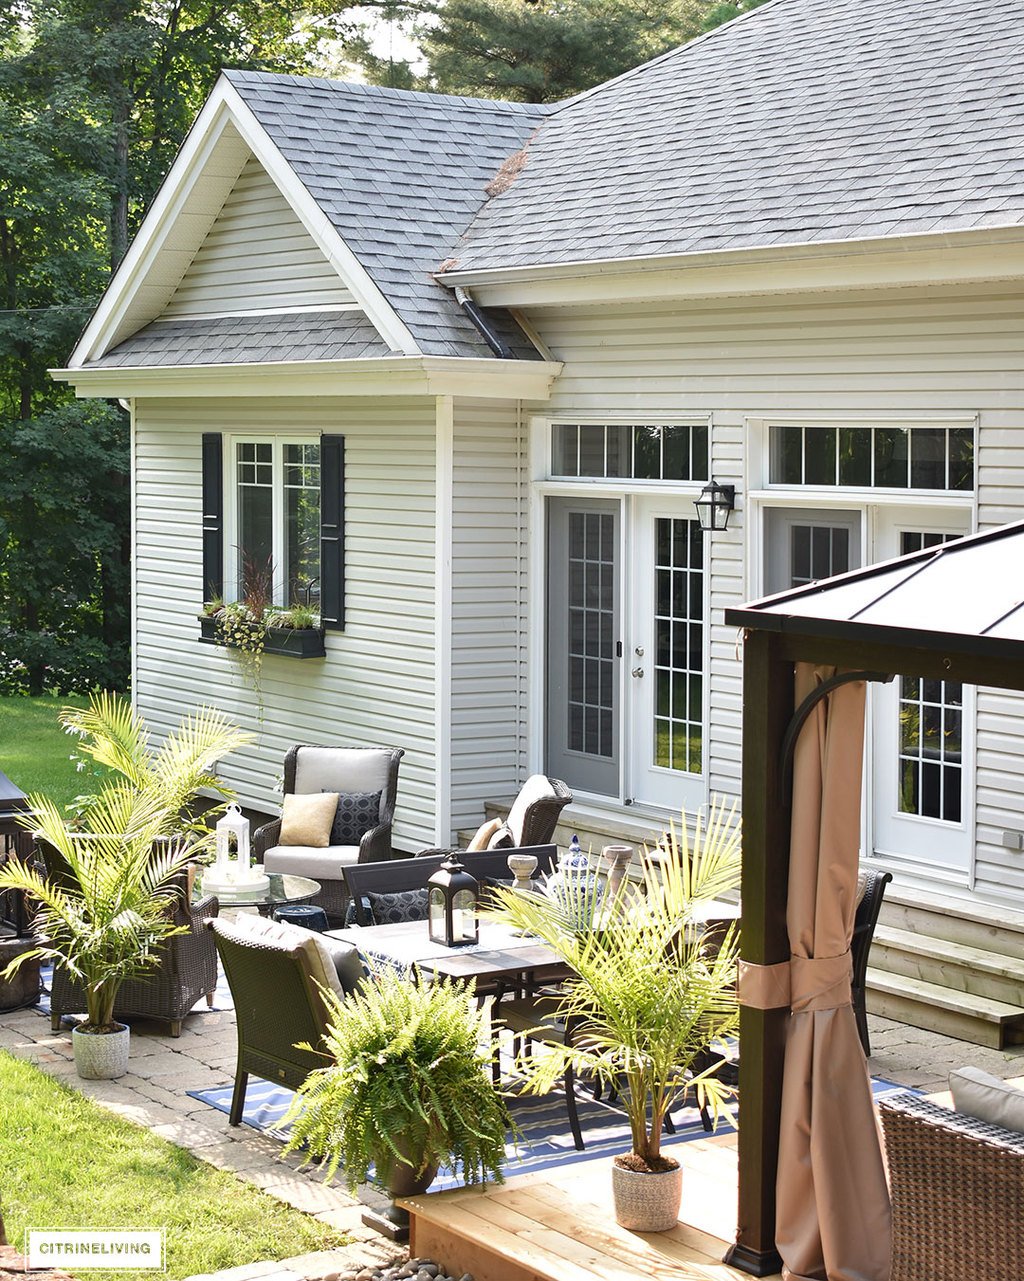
x,y
638,671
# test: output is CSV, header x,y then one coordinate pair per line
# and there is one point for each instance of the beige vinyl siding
x,y
377,683
924,352
257,256
488,568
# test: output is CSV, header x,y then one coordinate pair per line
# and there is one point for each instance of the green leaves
x,y
406,1081
654,988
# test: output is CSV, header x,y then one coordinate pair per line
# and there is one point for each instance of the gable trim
x,y
225,107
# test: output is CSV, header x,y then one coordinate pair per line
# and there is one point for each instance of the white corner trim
x,y
443,486
391,328
223,107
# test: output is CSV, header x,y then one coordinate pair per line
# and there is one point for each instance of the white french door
x,y
922,736
625,655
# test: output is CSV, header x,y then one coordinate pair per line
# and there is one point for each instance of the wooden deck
x,y
559,1226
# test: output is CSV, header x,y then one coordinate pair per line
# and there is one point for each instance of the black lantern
x,y
451,904
714,505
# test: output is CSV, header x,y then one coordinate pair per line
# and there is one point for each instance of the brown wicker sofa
x,y
957,1188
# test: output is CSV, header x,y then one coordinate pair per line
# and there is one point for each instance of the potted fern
x,y
405,1089
654,990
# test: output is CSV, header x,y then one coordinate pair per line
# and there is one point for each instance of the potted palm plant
x,y
106,915
653,990
106,911
405,1089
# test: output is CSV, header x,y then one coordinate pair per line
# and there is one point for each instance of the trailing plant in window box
x,y
295,632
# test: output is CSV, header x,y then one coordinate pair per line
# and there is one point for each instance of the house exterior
x,y
459,370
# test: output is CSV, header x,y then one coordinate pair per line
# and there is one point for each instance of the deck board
x,y
558,1225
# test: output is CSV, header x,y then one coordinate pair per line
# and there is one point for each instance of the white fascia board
x,y
383,376
950,258
384,317
225,106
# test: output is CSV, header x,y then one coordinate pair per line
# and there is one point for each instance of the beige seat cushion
x,y
307,820
319,957
307,860
988,1098
484,833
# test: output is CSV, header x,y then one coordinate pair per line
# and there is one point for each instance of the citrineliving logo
x,y
111,1249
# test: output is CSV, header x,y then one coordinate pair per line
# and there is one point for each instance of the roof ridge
x,y
420,96
674,52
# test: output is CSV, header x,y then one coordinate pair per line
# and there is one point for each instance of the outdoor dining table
x,y
501,957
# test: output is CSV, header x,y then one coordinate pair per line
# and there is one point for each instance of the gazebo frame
x,y
777,635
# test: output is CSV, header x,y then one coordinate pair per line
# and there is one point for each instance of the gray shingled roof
x,y
400,175
808,120
240,340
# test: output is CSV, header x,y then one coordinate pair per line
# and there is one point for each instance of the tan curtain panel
x,y
832,1200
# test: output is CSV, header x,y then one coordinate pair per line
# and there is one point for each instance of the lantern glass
x,y
436,916
464,922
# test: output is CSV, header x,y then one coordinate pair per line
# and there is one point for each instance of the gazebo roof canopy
x,y
965,597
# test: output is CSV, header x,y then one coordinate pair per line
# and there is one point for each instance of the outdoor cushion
x,y
360,769
988,1098
330,961
483,834
357,812
501,838
394,909
306,820
306,860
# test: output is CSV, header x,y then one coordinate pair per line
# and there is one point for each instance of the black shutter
x,y
332,532
213,516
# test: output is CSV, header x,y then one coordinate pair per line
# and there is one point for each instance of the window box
x,y
289,642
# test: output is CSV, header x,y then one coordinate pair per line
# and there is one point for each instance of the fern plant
x,y
107,916
653,988
406,1084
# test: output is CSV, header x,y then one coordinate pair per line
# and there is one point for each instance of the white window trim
x,y
232,560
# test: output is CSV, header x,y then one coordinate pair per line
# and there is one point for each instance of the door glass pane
x,y
589,723
930,729
818,551
679,659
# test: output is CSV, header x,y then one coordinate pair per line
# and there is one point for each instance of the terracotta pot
x,y
647,1202
101,1056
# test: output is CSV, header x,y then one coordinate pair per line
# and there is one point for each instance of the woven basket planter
x,y
647,1202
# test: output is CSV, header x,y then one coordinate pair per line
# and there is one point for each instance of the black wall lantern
x,y
451,904
714,505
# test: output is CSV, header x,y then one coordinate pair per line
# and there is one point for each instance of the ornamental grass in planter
x,y
405,1089
654,990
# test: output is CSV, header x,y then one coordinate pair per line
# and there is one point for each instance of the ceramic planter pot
x,y
647,1202
101,1056
401,1180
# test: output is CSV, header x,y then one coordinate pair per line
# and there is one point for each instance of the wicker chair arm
x,y
201,911
265,838
375,845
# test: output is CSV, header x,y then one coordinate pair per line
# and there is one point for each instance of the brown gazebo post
x,y
767,710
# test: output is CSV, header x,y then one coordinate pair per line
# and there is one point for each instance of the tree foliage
x,y
535,50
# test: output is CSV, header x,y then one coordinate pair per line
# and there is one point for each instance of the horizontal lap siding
x,y
909,352
256,256
487,587
376,685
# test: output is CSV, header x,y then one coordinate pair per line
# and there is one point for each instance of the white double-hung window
x,y
276,522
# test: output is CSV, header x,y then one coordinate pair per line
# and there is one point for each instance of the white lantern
x,y
232,845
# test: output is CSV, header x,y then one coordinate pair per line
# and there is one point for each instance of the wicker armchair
x,y
309,768
531,820
957,1187
277,1007
187,969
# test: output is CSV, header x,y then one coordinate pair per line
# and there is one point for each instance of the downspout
x,y
476,315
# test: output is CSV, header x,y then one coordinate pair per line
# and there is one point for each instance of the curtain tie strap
x,y
801,983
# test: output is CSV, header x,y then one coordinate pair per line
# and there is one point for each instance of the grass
x,y
34,750
67,1163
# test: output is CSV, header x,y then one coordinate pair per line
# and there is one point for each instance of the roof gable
x,y
803,121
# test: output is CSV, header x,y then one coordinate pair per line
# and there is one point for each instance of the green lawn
x,y
34,750
66,1163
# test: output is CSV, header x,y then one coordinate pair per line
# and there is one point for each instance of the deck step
x,y
941,1009
970,924
957,966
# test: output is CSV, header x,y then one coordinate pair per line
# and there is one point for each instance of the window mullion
x,y
277,533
